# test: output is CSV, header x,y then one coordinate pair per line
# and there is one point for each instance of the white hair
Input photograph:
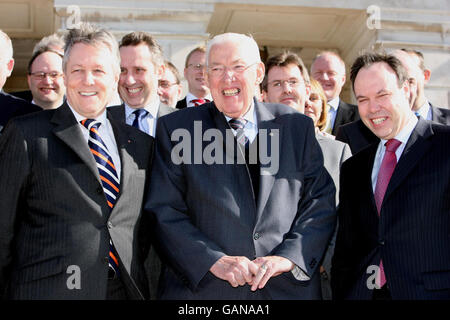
x,y
238,38
6,51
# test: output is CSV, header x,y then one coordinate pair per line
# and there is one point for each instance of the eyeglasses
x,y
197,67
43,75
277,84
219,70
166,84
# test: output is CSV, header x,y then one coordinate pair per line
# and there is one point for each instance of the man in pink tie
x,y
394,205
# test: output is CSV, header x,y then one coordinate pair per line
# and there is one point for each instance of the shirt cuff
x,y
299,274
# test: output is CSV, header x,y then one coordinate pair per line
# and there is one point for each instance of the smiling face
x,y
383,106
286,85
48,92
330,72
195,76
138,84
90,78
234,90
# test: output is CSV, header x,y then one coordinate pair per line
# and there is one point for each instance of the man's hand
x,y
236,270
269,267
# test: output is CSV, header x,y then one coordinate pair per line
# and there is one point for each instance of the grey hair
x,y
238,38
90,34
53,41
8,54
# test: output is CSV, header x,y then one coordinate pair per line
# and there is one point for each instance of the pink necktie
x,y
384,175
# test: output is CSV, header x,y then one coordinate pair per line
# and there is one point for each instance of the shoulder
x,y
181,104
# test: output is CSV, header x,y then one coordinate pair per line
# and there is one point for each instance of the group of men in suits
x,y
86,190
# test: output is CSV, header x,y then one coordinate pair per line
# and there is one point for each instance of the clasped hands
x,y
239,271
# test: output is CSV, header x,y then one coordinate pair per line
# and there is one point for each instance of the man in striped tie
x,y
72,187
392,240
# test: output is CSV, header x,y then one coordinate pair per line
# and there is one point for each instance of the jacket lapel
x,y
416,147
68,130
267,128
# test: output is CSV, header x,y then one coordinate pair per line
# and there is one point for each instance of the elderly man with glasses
x,y
242,203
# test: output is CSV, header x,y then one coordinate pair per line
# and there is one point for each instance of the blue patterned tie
x,y
139,114
238,125
108,176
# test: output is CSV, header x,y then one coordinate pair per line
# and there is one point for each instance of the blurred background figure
x,y
169,86
195,75
316,108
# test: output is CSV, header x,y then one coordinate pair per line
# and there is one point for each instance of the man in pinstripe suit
x,y
394,209
59,221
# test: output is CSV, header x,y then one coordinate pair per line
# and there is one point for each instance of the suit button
x,y
110,225
99,190
256,236
381,242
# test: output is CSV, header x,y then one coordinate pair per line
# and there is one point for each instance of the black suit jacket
x,y
181,104
345,113
204,211
25,95
411,235
54,215
11,106
358,136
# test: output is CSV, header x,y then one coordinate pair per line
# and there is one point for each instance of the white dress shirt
x,y
149,121
106,133
334,104
425,111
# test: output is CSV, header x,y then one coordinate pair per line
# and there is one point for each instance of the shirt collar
x,y
190,97
334,103
405,133
250,115
152,108
102,117
424,109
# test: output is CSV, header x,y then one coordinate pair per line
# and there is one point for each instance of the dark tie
x,y
198,102
384,175
108,176
139,114
238,125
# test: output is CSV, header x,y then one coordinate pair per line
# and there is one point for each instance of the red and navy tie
x,y
199,102
108,176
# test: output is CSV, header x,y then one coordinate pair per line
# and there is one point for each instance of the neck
x,y
201,93
47,105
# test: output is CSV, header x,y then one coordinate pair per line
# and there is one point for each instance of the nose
x,y
88,78
373,106
286,87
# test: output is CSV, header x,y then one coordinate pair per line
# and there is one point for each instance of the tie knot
x,y
237,124
139,112
91,123
392,145
198,102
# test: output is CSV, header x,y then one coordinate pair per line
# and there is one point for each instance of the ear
x,y
308,91
260,71
29,81
406,89
427,75
10,67
160,71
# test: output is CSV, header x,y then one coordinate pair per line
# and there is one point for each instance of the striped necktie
x,y
238,125
108,176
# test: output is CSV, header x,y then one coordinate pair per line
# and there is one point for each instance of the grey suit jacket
x,y
205,211
54,214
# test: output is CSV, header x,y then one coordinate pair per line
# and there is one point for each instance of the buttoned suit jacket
x,y
54,216
11,106
345,113
411,233
358,136
205,211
